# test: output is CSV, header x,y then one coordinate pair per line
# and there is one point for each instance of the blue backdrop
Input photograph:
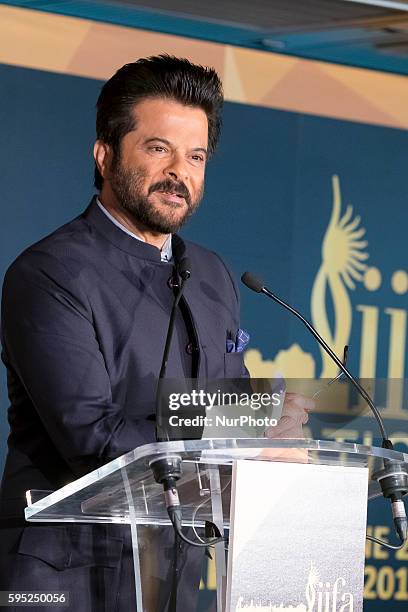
x,y
269,199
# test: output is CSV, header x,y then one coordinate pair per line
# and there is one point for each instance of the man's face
x,y
158,178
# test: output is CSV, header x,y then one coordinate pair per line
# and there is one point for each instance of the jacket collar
x,y
95,217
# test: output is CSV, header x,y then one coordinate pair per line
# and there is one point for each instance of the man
x,y
84,319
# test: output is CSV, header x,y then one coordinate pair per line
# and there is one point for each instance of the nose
x,y
177,169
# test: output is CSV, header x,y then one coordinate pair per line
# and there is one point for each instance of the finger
x,y
286,425
295,412
285,432
307,403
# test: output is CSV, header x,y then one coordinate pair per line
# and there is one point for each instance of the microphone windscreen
x,y
178,247
184,268
252,282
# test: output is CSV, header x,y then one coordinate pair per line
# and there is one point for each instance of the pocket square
x,y
238,344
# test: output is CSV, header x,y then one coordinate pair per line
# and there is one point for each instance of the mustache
x,y
174,187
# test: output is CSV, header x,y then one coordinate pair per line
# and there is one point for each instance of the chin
x,y
172,219
171,227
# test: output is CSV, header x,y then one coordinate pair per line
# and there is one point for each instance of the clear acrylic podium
x,y
124,491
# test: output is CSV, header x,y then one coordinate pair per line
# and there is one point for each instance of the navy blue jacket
x,y
85,313
84,319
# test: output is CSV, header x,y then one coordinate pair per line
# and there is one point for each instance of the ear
x,y
102,156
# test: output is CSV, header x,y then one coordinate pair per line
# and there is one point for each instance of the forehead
x,y
171,120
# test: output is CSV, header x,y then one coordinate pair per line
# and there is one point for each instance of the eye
x,y
158,149
198,158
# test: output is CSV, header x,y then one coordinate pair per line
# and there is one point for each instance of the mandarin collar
x,y
95,217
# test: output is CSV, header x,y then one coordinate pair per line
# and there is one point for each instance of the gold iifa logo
x,y
343,266
321,596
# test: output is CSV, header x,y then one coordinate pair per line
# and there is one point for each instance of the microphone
x,y
257,285
393,478
167,469
252,282
183,268
184,271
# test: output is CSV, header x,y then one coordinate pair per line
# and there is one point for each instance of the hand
x,y
295,414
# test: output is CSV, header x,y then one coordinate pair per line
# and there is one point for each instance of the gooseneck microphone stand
x,y
393,478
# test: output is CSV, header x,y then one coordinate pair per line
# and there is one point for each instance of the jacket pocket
x,y
233,365
64,547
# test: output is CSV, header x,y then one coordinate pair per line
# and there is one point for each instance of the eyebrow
x,y
167,142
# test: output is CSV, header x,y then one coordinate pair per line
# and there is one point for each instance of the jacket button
x,y
190,348
172,283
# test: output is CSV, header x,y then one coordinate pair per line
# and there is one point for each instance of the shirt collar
x,y
166,253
